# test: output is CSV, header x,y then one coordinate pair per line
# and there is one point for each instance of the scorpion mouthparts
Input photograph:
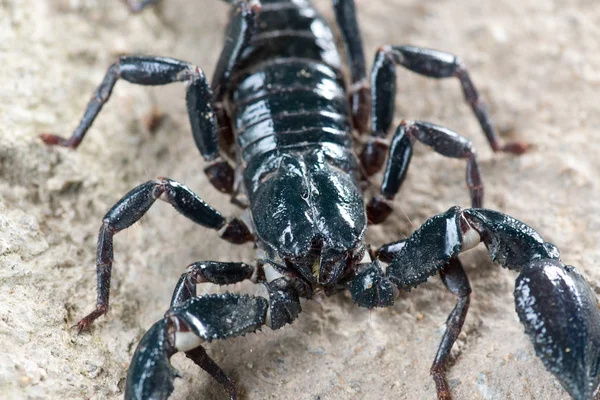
x,y
327,271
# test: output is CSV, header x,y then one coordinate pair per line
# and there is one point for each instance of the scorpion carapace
x,y
318,240
279,108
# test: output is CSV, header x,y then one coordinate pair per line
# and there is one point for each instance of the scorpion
x,y
279,109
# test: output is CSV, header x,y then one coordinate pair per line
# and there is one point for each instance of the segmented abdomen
x,y
288,92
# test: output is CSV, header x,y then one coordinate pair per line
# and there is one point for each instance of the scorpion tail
x,y
150,374
560,314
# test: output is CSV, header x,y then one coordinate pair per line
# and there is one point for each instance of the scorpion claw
x,y
560,314
185,328
150,374
554,302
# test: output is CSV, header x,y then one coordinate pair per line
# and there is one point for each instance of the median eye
x,y
304,194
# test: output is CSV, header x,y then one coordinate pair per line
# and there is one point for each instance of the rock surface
x,y
536,64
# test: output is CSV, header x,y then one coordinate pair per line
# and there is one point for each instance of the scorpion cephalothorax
x,y
279,107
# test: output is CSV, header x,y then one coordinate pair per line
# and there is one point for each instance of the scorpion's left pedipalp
x,y
557,307
560,313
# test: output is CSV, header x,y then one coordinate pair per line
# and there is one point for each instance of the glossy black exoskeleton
x,y
279,108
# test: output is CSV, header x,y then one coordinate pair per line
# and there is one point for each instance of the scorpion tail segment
x,y
428,249
560,313
220,316
150,374
370,288
510,242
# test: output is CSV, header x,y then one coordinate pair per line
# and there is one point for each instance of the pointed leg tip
x,y
516,148
55,140
82,326
86,322
443,393
444,396
50,139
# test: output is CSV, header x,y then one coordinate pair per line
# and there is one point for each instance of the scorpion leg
x,y
203,360
238,35
208,117
132,207
455,279
555,304
219,273
442,141
360,96
241,29
431,63
191,321
149,70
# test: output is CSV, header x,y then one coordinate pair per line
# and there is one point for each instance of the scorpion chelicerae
x,y
278,107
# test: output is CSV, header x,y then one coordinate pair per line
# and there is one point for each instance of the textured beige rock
x,y
536,64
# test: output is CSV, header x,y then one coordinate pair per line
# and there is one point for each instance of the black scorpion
x,y
278,106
